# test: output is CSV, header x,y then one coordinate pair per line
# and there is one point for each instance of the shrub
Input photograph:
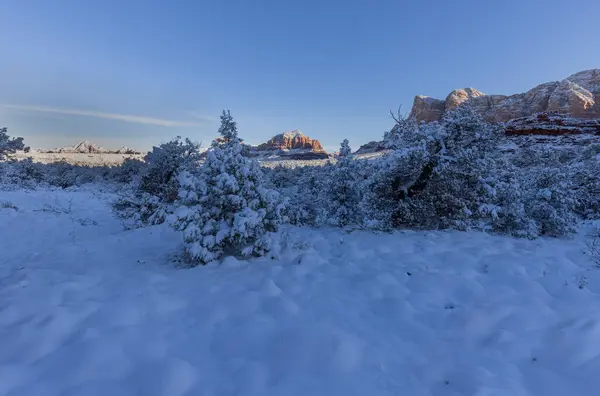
x,y
225,207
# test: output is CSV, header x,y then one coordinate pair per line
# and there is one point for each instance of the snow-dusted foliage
x,y
341,195
451,174
29,174
586,183
225,207
163,165
227,131
307,197
151,200
9,145
437,174
129,171
551,200
535,192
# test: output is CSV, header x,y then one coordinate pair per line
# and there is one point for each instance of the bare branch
x,y
398,116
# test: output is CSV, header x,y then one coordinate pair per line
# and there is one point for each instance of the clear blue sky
x,y
137,72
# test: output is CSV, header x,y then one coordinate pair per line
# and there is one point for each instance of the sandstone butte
x,y
294,140
577,96
293,145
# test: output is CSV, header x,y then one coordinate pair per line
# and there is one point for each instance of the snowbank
x,y
89,309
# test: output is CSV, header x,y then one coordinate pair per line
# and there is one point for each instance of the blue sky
x,y
138,72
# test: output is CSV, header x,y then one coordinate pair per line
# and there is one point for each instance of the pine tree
x,y
225,208
345,150
228,130
10,145
342,192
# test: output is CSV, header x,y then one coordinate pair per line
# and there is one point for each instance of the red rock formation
x,y
294,140
371,147
552,123
577,95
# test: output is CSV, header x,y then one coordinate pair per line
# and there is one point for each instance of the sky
x,y
139,72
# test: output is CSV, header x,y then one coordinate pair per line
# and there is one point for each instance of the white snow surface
x,y
89,309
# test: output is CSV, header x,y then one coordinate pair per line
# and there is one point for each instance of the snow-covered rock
x,y
426,108
552,123
293,144
577,95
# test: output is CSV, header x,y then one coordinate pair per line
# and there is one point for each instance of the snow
x,y
293,134
89,309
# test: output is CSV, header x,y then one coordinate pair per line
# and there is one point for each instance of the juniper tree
x,y
225,208
10,145
342,191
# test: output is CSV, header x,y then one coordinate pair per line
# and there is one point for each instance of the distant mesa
x,y
293,145
87,147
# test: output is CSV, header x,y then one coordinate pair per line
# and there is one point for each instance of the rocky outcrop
x,y
552,124
460,96
126,150
427,109
294,140
577,95
371,147
291,145
83,147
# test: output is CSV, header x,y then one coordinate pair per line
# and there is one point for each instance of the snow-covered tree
x,y
551,201
341,194
151,199
345,150
307,199
225,208
437,174
163,165
586,183
10,145
227,131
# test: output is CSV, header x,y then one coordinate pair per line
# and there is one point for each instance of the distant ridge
x,y
87,147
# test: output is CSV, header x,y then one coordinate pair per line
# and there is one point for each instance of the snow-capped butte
x,y
294,145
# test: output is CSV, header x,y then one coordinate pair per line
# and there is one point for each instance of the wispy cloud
x,y
110,116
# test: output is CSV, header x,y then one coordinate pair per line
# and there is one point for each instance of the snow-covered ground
x,y
89,309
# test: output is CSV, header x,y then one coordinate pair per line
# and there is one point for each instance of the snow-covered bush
x,y
9,145
225,207
534,201
282,177
24,174
340,194
129,171
151,200
29,174
451,174
64,175
585,178
163,165
388,201
543,190
551,201
307,198
437,176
